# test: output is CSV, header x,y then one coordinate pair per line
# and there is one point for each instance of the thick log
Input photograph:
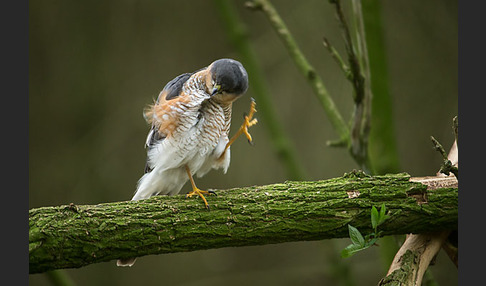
x,y
72,236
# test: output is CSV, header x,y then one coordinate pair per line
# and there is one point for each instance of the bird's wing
x,y
153,137
174,87
171,90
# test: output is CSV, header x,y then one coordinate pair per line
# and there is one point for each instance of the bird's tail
x,y
126,262
160,182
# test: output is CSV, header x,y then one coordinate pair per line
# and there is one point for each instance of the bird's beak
x,y
216,89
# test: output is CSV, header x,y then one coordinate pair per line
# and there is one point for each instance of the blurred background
x,y
94,66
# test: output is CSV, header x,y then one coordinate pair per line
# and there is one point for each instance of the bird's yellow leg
x,y
196,190
248,122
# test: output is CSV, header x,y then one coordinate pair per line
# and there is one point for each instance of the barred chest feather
x,y
202,126
196,131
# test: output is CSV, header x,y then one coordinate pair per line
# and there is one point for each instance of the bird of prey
x,y
190,125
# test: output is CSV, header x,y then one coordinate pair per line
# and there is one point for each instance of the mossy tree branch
x,y
73,236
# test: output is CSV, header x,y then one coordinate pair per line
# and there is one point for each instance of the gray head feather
x,y
230,75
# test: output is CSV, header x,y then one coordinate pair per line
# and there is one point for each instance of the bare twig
x,y
362,55
337,57
447,166
359,67
354,65
438,147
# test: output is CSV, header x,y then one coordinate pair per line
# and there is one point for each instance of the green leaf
x,y
383,215
375,218
355,235
382,210
351,249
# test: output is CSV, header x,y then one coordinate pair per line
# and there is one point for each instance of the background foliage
x,y
94,65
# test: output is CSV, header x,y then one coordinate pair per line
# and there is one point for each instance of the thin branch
x,y
359,67
337,57
304,66
447,166
73,236
362,55
438,147
354,64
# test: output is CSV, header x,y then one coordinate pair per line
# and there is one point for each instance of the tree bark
x,y
73,236
413,259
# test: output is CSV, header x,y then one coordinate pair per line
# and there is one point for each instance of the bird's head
x,y
227,79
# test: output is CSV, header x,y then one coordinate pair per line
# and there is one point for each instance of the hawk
x,y
190,125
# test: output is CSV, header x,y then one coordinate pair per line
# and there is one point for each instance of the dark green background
x,y
94,65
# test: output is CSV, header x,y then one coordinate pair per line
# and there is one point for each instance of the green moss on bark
x,y
77,235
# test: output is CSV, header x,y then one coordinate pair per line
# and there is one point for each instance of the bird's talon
x,y
248,136
248,122
188,195
197,191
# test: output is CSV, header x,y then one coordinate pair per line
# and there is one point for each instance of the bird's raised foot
x,y
249,121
